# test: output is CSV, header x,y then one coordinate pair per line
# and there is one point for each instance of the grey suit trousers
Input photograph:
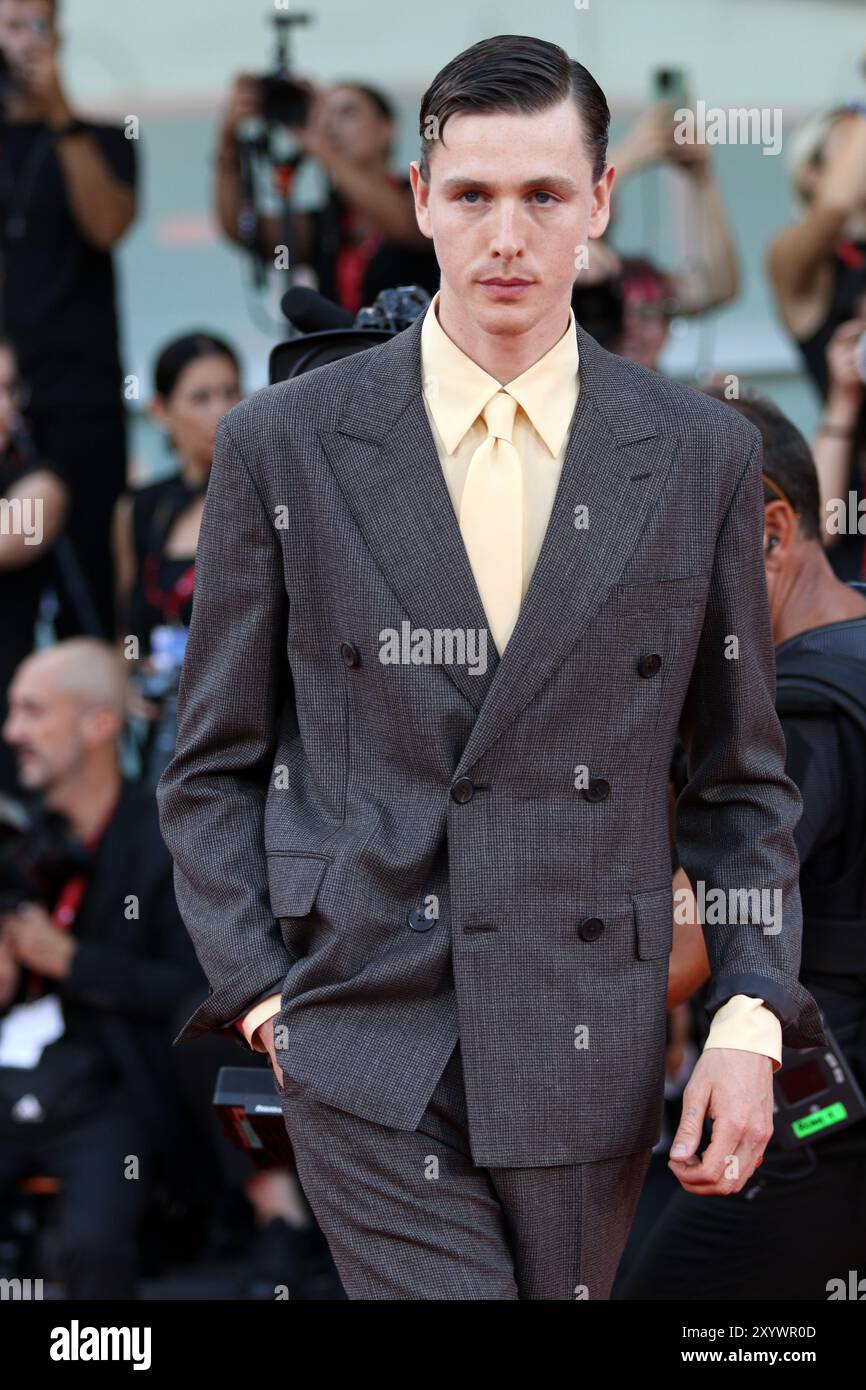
x,y
408,1215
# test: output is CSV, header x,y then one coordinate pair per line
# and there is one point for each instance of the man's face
x,y
45,727
511,197
26,26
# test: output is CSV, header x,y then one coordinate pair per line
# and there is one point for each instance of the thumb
x,y
688,1135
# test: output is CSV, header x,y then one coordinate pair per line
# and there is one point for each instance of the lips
x,y
497,280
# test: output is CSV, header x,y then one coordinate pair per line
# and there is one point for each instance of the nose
x,y
507,238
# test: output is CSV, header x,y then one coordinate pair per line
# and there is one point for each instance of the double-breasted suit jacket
x,y
427,847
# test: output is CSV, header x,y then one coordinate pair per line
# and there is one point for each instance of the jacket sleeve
x,y
737,813
211,796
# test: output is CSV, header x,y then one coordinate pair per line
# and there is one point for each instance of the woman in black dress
x,y
196,379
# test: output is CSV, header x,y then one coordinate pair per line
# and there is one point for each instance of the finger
x,y
688,1135
709,1173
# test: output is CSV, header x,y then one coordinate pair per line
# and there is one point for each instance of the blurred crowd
x,y
97,973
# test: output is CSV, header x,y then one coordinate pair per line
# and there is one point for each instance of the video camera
x,y
326,332
284,101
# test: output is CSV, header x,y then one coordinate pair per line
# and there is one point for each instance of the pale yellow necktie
x,y
491,518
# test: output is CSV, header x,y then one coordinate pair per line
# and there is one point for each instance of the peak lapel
x,y
385,459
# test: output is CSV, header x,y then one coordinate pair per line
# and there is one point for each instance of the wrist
x,y
843,406
59,115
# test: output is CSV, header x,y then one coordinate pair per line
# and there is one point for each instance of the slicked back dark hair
x,y
514,73
788,459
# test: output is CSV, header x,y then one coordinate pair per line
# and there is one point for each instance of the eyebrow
x,y
553,181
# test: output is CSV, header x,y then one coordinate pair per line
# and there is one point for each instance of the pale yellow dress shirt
x,y
455,391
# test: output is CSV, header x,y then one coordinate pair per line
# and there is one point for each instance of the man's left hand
x,y
36,943
735,1089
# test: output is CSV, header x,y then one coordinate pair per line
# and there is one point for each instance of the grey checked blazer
x,y
401,848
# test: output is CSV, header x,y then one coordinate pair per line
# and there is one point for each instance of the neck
x,y
86,796
814,596
194,470
503,356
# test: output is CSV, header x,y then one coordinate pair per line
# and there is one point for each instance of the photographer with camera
x,y
94,968
67,195
32,491
365,238
628,302
798,1221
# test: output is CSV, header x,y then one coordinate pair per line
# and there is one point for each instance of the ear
x,y
780,530
421,194
157,412
600,215
101,725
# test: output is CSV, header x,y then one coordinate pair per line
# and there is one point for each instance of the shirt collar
x,y
456,389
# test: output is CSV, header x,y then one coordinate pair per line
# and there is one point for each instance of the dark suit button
x,y
350,654
598,790
463,789
418,920
650,665
590,929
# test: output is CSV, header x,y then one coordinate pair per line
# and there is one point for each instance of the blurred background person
x,y
364,238
798,1221
197,378
95,973
817,265
67,195
34,487
817,270
839,447
643,297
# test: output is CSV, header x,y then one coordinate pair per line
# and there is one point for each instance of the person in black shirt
x,y
800,1220
34,502
107,953
67,195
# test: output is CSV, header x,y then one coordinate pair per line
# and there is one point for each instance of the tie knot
x,y
499,414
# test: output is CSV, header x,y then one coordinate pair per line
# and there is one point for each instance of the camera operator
x,y
67,195
366,237
41,498
799,1220
91,981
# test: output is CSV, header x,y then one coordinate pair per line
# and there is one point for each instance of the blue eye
x,y
470,193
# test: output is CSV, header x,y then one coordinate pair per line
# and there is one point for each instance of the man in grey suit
x,y
455,596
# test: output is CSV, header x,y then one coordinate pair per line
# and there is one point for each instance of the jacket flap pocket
x,y
293,882
648,596
654,922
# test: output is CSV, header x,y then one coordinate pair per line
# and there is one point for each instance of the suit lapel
x,y
385,459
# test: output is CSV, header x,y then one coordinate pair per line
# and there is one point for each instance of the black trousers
x,y
88,448
799,1222
99,1203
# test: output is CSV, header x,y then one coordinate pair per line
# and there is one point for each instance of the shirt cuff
x,y
258,1015
744,1022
